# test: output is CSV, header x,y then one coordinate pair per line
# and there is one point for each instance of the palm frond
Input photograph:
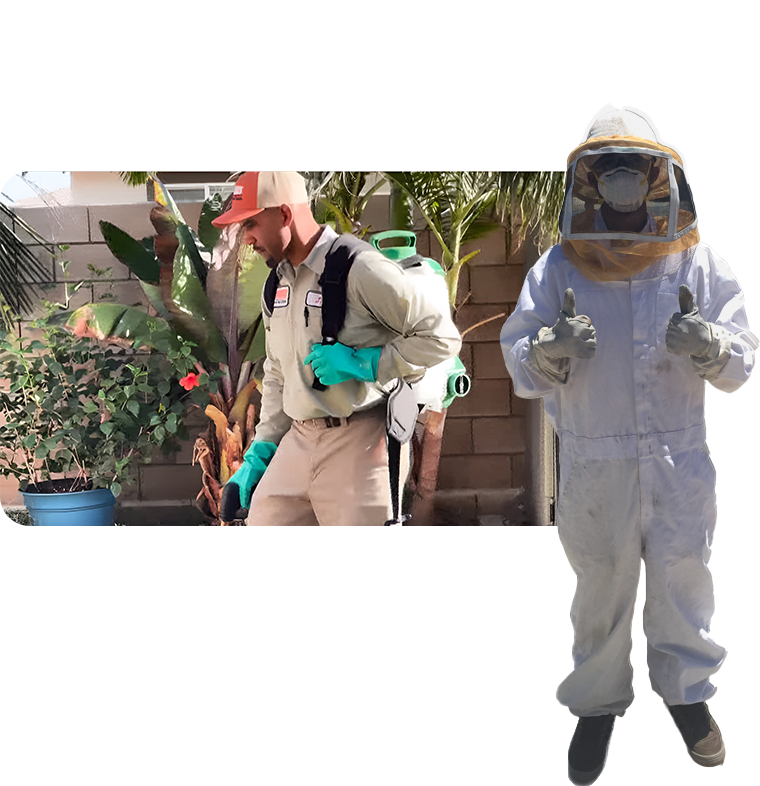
x,y
532,201
21,272
136,178
316,182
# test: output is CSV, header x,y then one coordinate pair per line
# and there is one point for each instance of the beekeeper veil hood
x,y
627,202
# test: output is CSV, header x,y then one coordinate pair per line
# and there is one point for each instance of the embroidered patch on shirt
x,y
282,297
314,299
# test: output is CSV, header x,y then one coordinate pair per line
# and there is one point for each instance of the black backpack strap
x,y
334,280
270,289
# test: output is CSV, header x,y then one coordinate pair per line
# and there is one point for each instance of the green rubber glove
x,y
238,490
334,363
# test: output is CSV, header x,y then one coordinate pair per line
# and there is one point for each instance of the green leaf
x,y
131,253
164,387
113,320
153,293
187,242
207,232
90,406
115,488
107,427
29,441
257,348
134,407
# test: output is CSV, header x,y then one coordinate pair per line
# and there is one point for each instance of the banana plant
x,y
205,286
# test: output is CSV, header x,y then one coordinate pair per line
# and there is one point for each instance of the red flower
x,y
190,381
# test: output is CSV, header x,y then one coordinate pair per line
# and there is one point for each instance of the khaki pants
x,y
323,475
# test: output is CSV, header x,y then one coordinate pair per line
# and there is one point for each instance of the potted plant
x,y
78,414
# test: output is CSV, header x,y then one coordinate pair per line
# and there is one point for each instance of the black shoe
x,y
700,733
588,749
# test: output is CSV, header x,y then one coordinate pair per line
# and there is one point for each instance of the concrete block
x,y
488,397
130,491
498,501
465,355
424,239
375,215
463,286
168,482
56,293
9,492
185,454
48,260
455,507
495,284
159,513
475,472
461,500
31,333
518,406
56,225
489,361
519,250
457,437
519,471
128,293
132,219
469,315
96,254
498,435
492,249
191,212
158,458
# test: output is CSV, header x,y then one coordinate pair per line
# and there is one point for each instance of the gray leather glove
x,y
688,333
571,336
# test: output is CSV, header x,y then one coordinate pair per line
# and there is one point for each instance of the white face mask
x,y
624,189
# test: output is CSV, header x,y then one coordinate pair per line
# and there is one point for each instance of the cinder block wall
x,y
484,440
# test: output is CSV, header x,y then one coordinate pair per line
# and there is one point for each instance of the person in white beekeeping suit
x,y
618,328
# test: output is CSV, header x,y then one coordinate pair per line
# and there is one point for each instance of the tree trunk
x,y
400,209
423,506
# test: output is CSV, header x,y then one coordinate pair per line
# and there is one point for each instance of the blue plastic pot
x,y
93,508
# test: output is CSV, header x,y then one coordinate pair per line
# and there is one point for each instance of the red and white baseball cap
x,y
255,191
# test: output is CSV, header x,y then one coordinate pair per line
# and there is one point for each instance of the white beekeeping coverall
x,y
636,481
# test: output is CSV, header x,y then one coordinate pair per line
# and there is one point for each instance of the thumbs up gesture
x,y
571,336
688,333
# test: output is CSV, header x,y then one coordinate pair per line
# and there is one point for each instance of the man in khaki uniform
x,y
320,456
